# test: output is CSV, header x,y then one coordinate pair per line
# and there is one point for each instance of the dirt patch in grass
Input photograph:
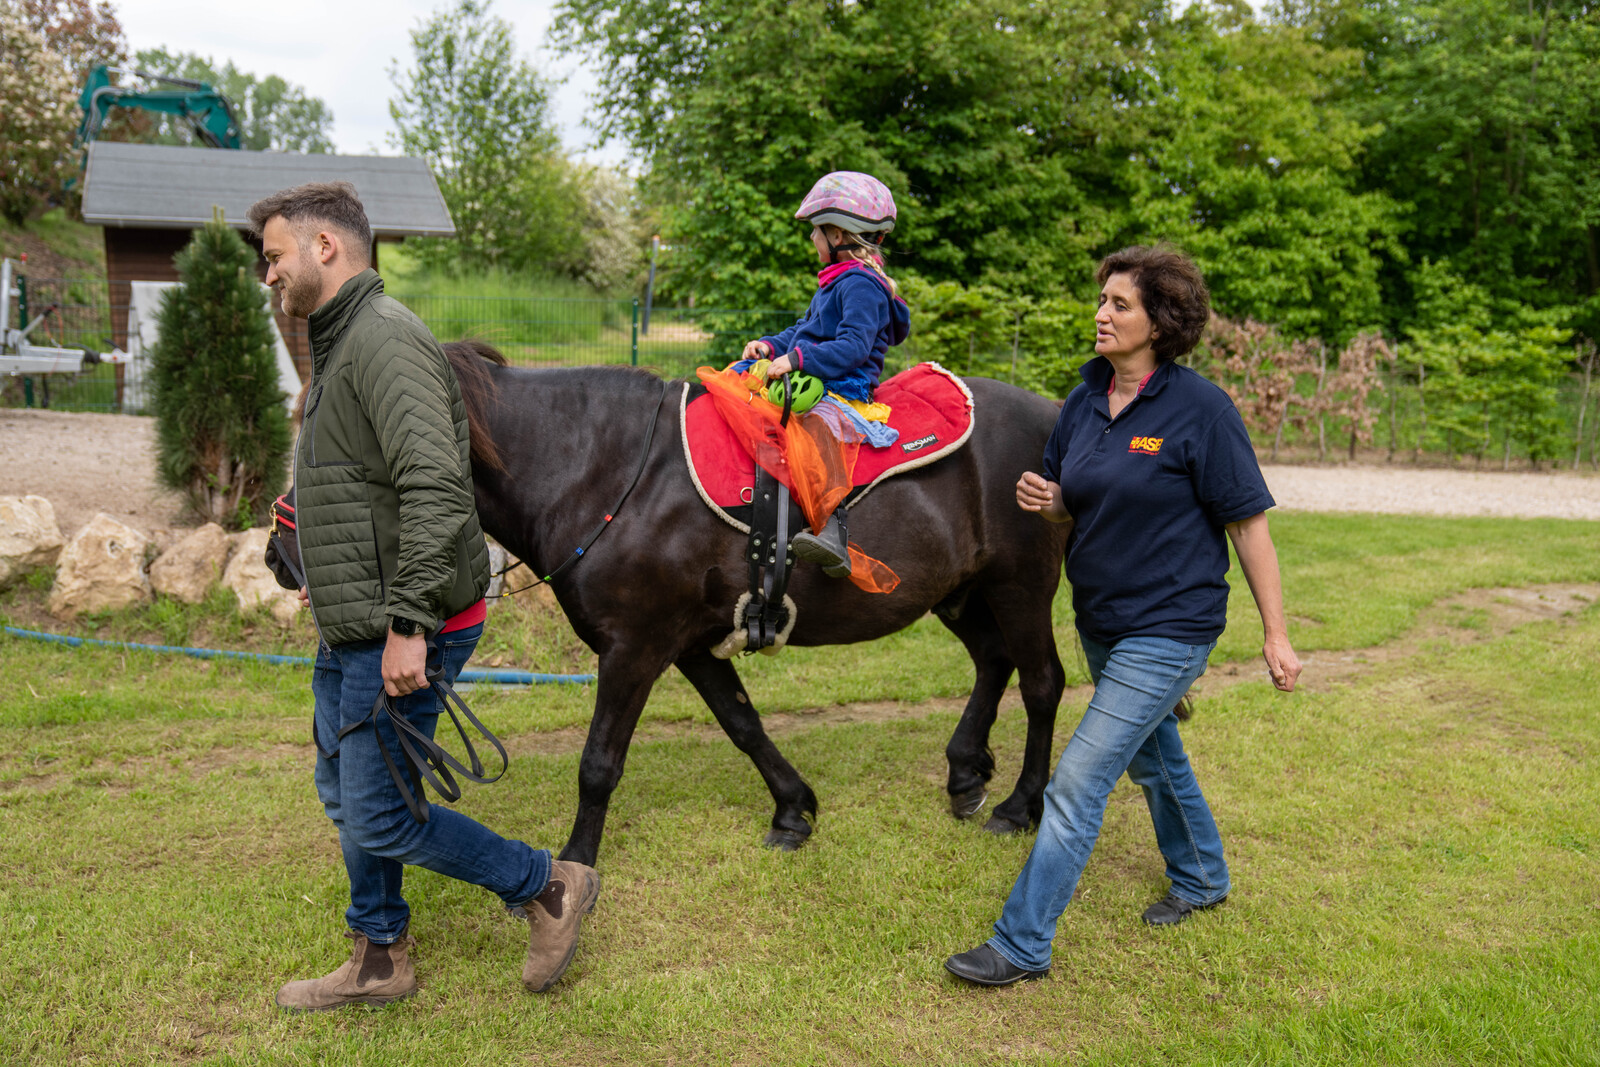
x,y
1473,617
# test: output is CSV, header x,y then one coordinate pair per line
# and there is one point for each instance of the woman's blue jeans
x,y
376,831
1130,726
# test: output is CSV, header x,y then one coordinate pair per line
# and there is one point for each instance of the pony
x,y
552,451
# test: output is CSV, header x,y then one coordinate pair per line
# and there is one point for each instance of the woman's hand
x,y
1282,663
1258,558
757,350
1036,494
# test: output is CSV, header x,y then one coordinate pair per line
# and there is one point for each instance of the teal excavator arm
x,y
207,111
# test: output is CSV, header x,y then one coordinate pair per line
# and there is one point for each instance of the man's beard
x,y
302,293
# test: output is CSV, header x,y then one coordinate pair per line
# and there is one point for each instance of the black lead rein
x,y
577,553
425,757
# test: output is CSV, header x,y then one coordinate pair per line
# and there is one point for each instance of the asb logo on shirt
x,y
1147,445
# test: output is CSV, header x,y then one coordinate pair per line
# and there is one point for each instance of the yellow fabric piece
x,y
870,410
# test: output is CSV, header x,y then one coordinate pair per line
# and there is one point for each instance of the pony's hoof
x,y
966,805
1001,826
784,840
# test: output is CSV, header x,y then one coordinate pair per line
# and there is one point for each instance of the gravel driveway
x,y
1423,491
85,463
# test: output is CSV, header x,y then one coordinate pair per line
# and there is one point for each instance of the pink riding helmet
x,y
851,201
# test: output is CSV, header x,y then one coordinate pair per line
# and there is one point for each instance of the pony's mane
x,y
471,360
474,362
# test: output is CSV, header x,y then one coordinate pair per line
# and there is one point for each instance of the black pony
x,y
554,449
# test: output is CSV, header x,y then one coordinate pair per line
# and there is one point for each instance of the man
x,y
392,552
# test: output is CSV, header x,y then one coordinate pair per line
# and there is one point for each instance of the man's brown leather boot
x,y
554,917
374,974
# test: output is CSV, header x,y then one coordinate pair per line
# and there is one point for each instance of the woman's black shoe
x,y
1170,911
984,966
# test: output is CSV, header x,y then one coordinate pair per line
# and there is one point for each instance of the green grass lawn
x,y
1414,851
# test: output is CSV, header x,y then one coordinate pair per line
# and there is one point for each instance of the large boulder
x,y
186,570
100,569
29,536
253,583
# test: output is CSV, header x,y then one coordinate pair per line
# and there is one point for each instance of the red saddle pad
x,y
931,408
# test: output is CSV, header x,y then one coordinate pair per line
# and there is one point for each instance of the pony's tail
x,y
471,359
1185,707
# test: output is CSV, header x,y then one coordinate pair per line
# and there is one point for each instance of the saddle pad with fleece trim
x,y
931,408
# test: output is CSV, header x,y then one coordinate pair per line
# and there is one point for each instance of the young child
x,y
854,318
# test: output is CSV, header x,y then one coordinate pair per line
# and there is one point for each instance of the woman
x,y
1151,463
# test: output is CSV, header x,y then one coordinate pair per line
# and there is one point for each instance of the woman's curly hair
x,y
1173,293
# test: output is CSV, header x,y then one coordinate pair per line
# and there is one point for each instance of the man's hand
x,y
405,664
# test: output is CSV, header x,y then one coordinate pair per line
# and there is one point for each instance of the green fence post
x,y
636,332
22,319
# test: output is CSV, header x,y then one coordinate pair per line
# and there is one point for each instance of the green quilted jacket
x,y
383,481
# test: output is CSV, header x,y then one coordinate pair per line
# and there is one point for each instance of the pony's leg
x,y
968,753
625,681
718,685
1026,628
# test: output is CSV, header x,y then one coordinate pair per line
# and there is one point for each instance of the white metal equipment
x,y
19,358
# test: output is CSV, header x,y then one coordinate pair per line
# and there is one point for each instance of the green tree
x,y
274,116
1491,369
1490,130
480,116
995,123
614,233
222,436
36,121
1245,164
81,33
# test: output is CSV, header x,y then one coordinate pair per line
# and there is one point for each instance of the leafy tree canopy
x,y
480,115
36,121
1310,158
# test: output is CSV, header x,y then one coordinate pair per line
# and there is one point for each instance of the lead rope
x,y
424,756
578,552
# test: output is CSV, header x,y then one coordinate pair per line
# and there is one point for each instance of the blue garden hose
x,y
486,677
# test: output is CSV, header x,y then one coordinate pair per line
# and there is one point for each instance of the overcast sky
x,y
341,50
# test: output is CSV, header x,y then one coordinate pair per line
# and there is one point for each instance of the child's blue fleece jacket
x,y
843,335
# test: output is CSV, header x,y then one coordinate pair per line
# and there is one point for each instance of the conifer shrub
x,y
221,429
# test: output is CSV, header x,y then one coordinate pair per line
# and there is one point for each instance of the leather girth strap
x,y
770,561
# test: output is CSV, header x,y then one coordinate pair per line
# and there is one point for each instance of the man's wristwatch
x,y
404,627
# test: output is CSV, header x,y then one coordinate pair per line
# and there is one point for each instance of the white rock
x,y
187,569
29,536
247,575
100,569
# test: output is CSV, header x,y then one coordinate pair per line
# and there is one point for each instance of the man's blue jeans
x,y
376,831
1130,726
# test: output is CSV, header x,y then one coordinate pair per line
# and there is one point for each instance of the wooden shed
x,y
150,199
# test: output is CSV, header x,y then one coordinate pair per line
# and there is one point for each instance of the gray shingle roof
x,y
172,187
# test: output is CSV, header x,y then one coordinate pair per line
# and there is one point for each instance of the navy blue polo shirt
x,y
1150,492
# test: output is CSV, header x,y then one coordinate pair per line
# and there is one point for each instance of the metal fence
x,y
535,332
